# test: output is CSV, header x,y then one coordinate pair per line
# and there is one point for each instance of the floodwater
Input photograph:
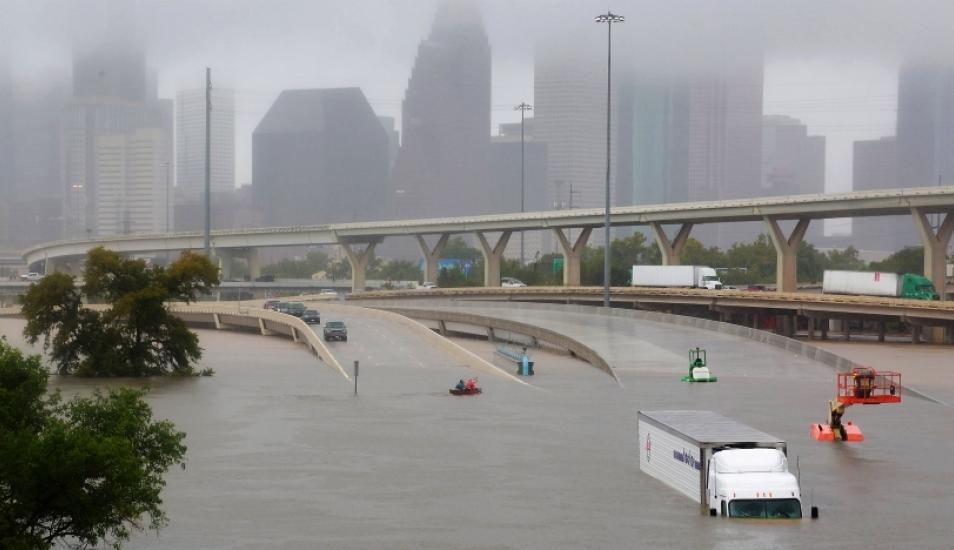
x,y
283,455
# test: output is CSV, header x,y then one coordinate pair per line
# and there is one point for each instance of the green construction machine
x,y
698,371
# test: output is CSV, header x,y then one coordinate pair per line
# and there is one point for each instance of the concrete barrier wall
x,y
465,356
551,337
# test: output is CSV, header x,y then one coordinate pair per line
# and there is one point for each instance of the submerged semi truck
x,y
877,283
729,468
691,276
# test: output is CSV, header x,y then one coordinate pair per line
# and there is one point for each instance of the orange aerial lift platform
x,y
860,386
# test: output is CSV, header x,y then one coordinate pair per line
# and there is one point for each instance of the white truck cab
x,y
752,483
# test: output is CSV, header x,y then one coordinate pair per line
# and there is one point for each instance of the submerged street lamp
x,y
609,18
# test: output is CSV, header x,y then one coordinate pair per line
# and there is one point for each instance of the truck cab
x,y
752,483
708,279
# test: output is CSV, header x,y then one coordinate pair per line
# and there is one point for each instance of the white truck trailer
x,y
878,283
691,276
729,468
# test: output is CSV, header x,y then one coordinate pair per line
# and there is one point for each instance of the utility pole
x,y
523,108
609,18
208,162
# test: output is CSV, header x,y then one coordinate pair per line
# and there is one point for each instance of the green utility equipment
x,y
698,371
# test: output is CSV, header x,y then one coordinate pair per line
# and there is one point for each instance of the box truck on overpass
x,y
878,283
691,276
729,468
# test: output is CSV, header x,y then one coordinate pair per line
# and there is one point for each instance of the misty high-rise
x,y
116,136
7,186
190,143
875,166
318,157
441,168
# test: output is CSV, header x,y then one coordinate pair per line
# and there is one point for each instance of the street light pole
x,y
609,18
523,108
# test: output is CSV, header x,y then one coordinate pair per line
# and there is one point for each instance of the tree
x,y
458,249
809,263
758,259
846,259
909,259
135,335
314,262
79,473
695,253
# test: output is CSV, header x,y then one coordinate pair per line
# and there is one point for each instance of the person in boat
x,y
460,385
471,384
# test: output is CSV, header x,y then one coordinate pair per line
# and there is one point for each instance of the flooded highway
x,y
282,455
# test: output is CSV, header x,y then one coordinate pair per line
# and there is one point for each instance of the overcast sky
x,y
830,63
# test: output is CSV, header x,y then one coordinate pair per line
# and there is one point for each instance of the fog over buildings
x,y
710,101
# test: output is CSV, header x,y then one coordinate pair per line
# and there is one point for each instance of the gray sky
x,y
830,63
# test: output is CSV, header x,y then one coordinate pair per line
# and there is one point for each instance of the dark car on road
x,y
271,304
336,330
311,316
265,279
295,308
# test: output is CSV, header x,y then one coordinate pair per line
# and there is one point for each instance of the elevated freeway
x,y
493,232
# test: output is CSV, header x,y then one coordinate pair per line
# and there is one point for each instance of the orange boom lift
x,y
860,386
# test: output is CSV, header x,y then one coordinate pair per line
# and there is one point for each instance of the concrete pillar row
x,y
572,254
492,256
671,250
432,255
786,250
359,264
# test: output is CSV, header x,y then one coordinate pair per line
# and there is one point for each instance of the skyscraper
x,y
319,156
925,132
190,143
7,186
113,103
569,89
441,168
875,166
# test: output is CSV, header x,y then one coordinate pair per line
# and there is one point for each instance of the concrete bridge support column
x,y
786,252
359,264
50,265
432,255
492,256
572,255
935,256
671,249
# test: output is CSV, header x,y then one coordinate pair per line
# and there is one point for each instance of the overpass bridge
x,y
493,232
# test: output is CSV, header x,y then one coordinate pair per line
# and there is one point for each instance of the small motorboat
x,y
465,391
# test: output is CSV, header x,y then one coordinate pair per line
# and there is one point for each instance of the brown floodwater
x,y
282,455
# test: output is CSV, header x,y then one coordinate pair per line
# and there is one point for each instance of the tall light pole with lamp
x,y
523,108
609,18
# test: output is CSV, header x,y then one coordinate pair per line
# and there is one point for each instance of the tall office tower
x,y
725,143
394,140
876,167
925,132
36,209
793,163
441,168
7,154
190,143
505,181
653,138
131,193
319,156
111,98
569,112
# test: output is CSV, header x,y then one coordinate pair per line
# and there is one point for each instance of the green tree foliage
x,y
135,335
810,265
757,257
846,260
313,262
458,249
455,277
395,270
694,253
909,259
77,474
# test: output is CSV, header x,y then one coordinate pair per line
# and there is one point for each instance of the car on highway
x,y
265,279
295,308
427,285
335,330
311,316
282,307
328,292
271,304
31,276
511,282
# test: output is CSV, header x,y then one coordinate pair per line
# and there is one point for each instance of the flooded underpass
x,y
282,455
